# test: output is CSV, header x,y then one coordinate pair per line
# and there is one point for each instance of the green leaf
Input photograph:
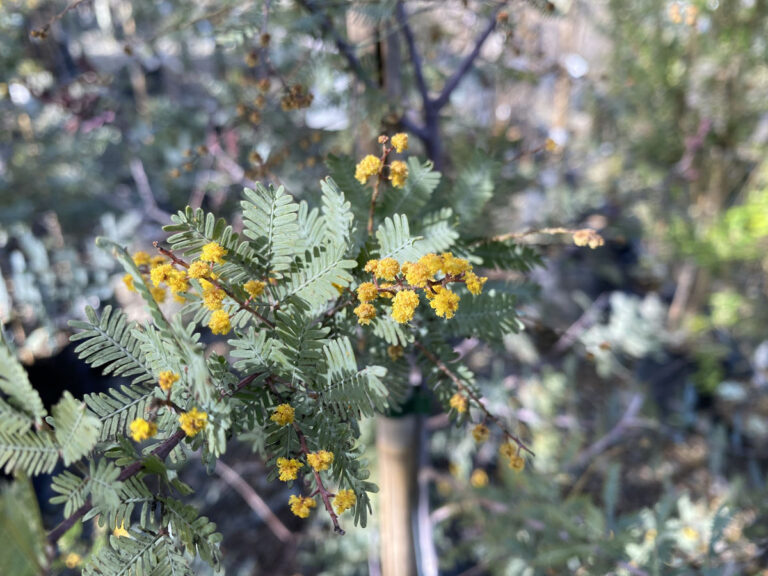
x,y
348,390
31,452
395,240
438,232
270,218
314,281
76,429
23,400
337,213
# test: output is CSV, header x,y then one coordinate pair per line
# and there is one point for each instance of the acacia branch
x,y
345,49
474,397
418,69
227,291
256,502
324,494
161,451
453,82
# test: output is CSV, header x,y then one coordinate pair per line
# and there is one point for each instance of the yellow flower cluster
x,y
213,296
213,252
458,403
367,167
288,468
479,478
372,165
402,282
73,560
404,305
167,378
283,415
344,500
254,288
219,322
400,142
398,173
301,506
320,460
142,430
481,433
155,271
193,421
199,269
512,453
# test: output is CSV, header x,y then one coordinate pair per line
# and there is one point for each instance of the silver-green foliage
x,y
298,343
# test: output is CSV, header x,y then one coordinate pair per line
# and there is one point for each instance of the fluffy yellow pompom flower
x,y
433,262
213,297
142,430
367,291
416,274
453,265
157,260
177,281
404,305
320,460
458,403
255,288
213,252
508,450
288,468
371,266
398,173
368,166
198,269
193,421
365,312
344,500
481,433
219,322
400,142
445,303
387,269
128,281
160,274
301,506
141,259
73,560
158,294
479,478
167,378
474,282
517,463
283,415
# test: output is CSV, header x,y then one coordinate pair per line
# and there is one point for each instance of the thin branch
x,y
418,68
465,390
453,82
324,494
162,451
256,502
145,192
345,49
628,420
